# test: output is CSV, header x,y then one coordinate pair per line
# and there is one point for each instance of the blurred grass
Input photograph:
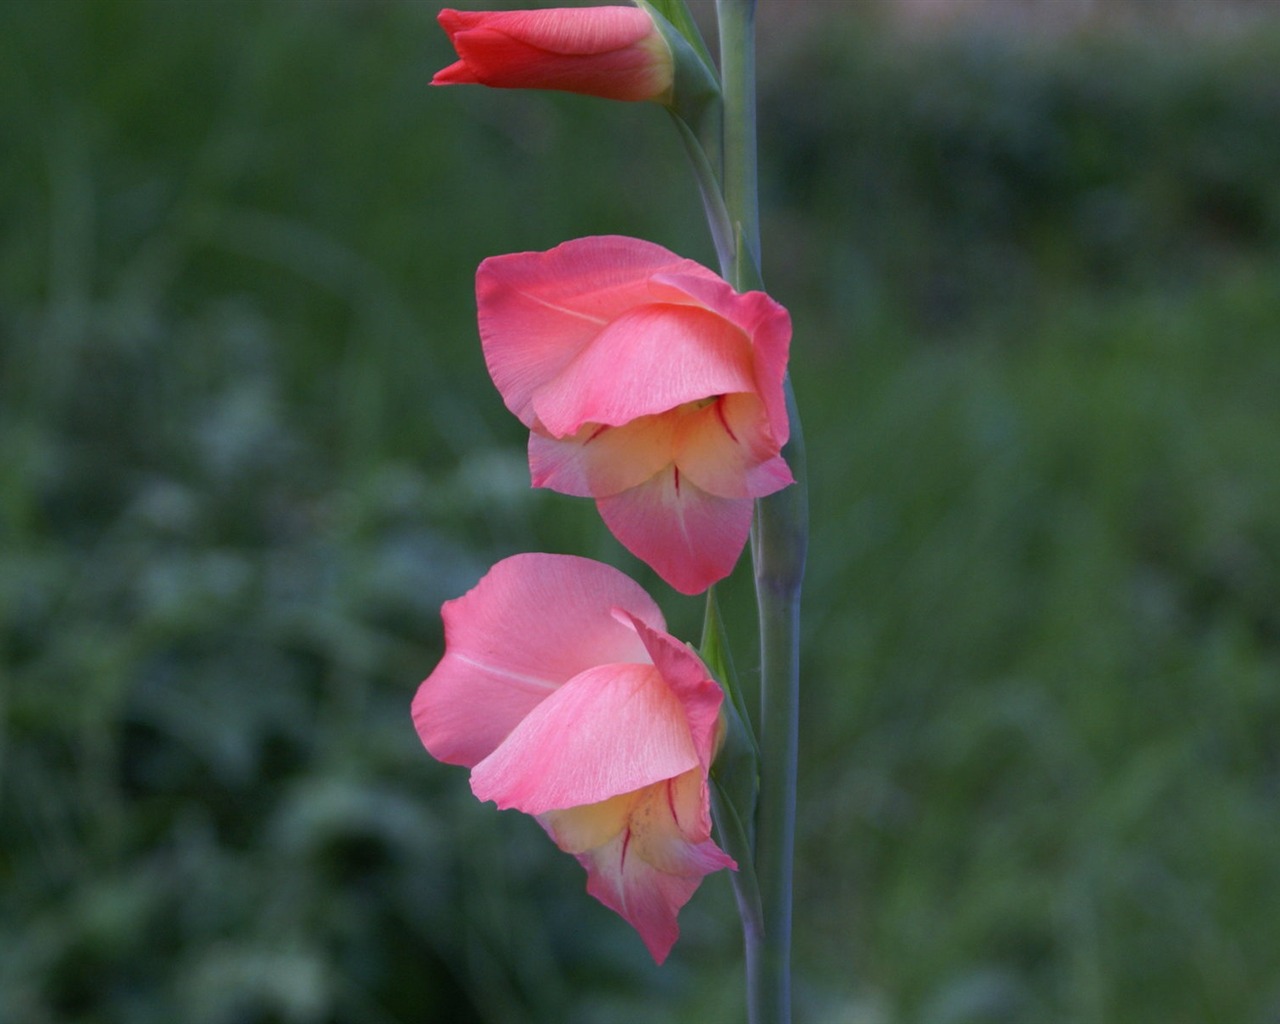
x,y
247,447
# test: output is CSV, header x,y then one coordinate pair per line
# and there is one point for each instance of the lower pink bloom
x,y
561,690
647,383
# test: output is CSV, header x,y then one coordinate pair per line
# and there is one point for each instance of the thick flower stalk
x,y
648,384
563,693
617,53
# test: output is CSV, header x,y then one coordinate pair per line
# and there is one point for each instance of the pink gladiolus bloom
x,y
613,52
648,384
562,692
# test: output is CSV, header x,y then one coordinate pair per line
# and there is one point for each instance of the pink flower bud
x,y
616,53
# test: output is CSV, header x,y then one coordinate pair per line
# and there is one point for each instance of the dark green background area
x,y
248,446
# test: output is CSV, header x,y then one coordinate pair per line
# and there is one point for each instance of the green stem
x,y
779,542
738,84
712,200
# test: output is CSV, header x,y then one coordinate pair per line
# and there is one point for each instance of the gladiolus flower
x,y
563,693
616,53
648,384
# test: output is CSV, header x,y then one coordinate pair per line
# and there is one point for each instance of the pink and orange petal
x,y
645,853
689,537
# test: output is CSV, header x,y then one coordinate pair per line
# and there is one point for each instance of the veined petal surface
x,y
650,868
688,678
531,624
607,731
726,448
691,538
538,310
650,359
598,461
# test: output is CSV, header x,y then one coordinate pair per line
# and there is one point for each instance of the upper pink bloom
x,y
648,384
563,693
613,52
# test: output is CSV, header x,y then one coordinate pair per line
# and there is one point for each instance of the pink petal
x,y
671,826
457,73
648,360
700,696
613,52
582,829
698,286
609,730
531,624
763,320
726,449
689,537
565,31
649,894
647,899
599,461
539,310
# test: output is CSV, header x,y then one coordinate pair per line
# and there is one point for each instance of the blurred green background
x,y
248,446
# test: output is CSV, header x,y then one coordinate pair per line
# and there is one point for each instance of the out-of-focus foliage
x,y
247,447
